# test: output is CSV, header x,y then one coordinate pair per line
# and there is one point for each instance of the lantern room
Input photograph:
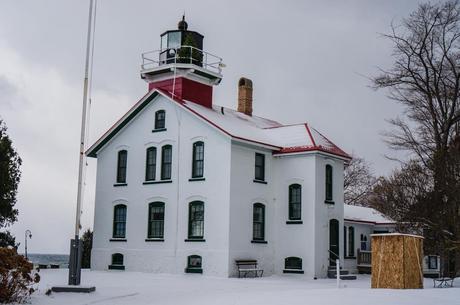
x,y
181,45
181,67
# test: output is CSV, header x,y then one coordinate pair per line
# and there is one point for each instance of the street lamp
x,y
27,233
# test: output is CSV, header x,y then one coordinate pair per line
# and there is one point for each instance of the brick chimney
x,y
245,96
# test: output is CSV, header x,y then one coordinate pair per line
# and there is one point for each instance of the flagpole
x,y
75,248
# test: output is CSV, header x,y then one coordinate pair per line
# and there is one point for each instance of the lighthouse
x,y
185,185
181,67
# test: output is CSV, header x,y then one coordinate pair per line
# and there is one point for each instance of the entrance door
x,y
333,241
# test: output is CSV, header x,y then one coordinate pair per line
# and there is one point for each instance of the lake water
x,y
46,259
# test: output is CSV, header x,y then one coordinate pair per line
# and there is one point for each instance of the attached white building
x,y
359,224
184,185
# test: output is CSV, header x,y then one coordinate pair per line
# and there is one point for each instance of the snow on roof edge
x,y
260,126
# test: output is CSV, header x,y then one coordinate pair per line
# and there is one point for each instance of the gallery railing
x,y
184,55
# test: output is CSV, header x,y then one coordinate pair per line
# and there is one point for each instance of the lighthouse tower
x,y
181,67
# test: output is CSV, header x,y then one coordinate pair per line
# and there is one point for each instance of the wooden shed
x,y
397,261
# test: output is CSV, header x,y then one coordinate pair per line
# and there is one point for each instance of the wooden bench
x,y
246,266
443,282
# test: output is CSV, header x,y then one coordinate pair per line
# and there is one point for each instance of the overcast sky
x,y
309,62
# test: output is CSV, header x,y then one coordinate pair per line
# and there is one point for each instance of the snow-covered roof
x,y
280,138
365,214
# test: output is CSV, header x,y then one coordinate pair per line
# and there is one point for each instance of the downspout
x,y
178,115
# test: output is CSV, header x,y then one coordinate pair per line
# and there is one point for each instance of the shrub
x,y
17,278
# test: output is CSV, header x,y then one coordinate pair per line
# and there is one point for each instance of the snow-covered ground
x,y
135,288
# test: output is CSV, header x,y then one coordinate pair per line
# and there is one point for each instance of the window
x,y
164,42
194,264
344,240
121,167
293,263
196,220
174,40
160,117
117,259
119,221
351,241
260,167
150,164
328,183
166,161
295,202
363,242
258,222
117,262
432,262
198,160
156,220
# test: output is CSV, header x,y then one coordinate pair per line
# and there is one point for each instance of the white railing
x,y
184,55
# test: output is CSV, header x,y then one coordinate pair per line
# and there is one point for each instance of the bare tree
x,y
425,78
358,181
399,195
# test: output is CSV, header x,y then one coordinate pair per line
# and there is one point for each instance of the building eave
x,y
310,150
136,109
122,122
369,222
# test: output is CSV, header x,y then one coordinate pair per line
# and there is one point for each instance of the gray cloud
x,y
306,59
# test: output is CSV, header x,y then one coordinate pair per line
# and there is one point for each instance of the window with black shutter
x,y
156,220
166,162
295,202
260,167
258,222
150,164
198,160
196,220
329,183
160,120
119,221
121,166
351,241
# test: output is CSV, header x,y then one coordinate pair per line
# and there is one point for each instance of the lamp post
x,y
27,233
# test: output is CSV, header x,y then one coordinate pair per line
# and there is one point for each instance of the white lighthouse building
x,y
185,185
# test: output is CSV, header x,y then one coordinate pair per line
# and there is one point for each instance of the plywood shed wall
x,y
397,261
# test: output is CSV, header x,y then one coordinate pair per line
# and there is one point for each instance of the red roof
x,y
282,139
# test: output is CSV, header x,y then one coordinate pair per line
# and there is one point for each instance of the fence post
x,y
337,265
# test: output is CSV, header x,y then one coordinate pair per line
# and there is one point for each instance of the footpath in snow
x,y
136,288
